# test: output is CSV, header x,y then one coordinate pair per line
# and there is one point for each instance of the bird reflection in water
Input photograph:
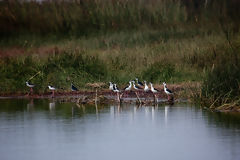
x,y
30,105
166,110
51,106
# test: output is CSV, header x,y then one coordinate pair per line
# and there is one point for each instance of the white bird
x,y
154,90
146,88
110,86
30,85
166,90
128,88
52,89
135,87
115,88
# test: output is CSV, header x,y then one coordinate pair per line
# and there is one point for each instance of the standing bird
x,y
167,91
154,90
139,83
30,85
128,88
52,89
116,90
146,88
73,88
136,87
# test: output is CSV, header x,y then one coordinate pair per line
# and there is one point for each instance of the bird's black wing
x,y
169,90
30,83
74,88
125,87
140,83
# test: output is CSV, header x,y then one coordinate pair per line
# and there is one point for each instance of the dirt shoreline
x,y
103,97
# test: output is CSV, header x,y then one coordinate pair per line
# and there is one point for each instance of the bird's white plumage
x,y
135,87
146,88
51,88
110,86
166,90
153,89
129,87
30,85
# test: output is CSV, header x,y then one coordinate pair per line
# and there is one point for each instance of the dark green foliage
x,y
159,71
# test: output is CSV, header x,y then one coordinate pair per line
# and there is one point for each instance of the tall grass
x,y
221,86
87,17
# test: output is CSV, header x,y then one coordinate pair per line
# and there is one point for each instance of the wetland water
x,y
44,129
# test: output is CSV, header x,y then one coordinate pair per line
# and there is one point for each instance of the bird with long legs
x,y
128,87
154,91
52,89
168,92
146,89
137,88
116,90
30,85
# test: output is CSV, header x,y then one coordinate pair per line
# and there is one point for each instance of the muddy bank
x,y
89,97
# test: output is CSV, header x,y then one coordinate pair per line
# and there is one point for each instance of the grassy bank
x,y
118,57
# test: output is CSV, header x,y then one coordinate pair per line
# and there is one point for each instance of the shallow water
x,y
43,129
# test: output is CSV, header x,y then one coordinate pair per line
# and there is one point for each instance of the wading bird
x,y
167,91
52,89
136,87
30,85
154,90
128,88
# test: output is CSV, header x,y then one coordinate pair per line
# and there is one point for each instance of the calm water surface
x,y
44,129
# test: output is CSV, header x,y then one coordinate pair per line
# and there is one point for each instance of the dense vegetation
x,y
102,40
